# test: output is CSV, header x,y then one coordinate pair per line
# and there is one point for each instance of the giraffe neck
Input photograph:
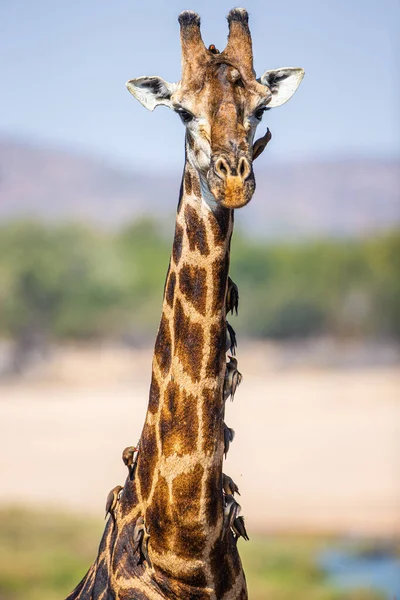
x,y
180,464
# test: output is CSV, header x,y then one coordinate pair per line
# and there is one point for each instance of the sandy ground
x,y
315,448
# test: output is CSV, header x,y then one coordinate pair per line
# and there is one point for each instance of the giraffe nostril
x,y
222,168
244,168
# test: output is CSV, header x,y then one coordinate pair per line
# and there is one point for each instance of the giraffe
x,y
168,537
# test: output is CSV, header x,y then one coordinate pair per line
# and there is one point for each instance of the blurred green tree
x,y
72,281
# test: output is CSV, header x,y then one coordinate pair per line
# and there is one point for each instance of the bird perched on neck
x,y
239,529
232,297
229,486
231,342
112,500
129,459
141,537
229,434
232,378
231,511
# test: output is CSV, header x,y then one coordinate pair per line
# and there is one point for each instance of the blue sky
x,y
65,63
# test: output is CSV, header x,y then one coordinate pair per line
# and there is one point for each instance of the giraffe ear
x,y
152,91
282,83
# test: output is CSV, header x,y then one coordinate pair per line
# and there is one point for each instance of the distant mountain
x,y
293,200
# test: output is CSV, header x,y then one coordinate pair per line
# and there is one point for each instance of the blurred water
x,y
379,571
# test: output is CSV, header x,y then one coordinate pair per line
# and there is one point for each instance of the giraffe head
x,y
221,102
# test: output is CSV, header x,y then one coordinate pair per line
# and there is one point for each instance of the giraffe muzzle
x,y
232,186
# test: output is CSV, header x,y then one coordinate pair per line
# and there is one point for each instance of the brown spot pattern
x,y
186,490
123,548
220,268
154,396
188,183
147,460
190,540
171,397
129,497
212,421
196,185
216,355
189,342
213,496
170,289
162,350
180,320
159,518
178,423
191,357
177,245
220,221
196,231
192,284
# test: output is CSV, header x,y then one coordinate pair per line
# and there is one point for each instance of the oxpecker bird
x,y
239,529
260,145
112,500
229,434
232,297
231,342
138,533
229,486
231,511
141,537
128,456
232,378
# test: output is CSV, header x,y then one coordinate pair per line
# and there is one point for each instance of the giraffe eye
x,y
185,115
259,112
